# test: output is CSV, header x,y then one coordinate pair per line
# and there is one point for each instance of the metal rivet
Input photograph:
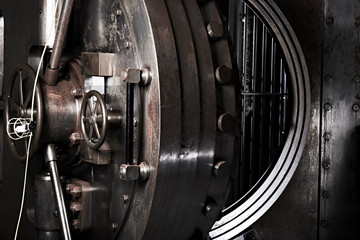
x,y
223,74
215,30
356,78
327,107
55,213
221,169
327,136
226,122
114,226
326,165
328,78
357,21
118,12
325,194
329,49
356,107
324,223
75,207
330,20
125,198
211,209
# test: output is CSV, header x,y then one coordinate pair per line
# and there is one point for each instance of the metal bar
x,y
50,159
52,71
129,123
264,94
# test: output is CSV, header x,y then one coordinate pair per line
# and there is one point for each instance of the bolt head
x,y
76,224
223,74
215,30
226,122
330,20
356,107
221,169
211,209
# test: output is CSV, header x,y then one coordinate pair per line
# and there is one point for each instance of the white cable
x,y
32,119
24,188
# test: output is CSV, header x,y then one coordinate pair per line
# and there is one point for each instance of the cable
x,y
32,119
24,187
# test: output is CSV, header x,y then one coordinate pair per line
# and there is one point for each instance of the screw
x,y
326,165
226,122
215,30
223,74
327,107
329,49
325,194
328,78
324,223
330,20
327,136
356,78
356,107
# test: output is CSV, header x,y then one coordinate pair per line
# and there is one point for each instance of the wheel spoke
x,y
14,106
86,120
28,97
21,93
91,106
97,130
91,131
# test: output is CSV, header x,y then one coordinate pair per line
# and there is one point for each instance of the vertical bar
x,y
129,123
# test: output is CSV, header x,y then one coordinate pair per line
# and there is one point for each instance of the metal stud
x,y
223,74
215,30
327,107
226,122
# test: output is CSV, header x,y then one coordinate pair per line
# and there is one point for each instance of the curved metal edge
x,y
246,213
39,113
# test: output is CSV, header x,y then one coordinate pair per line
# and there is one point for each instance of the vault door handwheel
x,y
18,101
94,119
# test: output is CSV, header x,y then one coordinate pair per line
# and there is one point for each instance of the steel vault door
x,y
195,188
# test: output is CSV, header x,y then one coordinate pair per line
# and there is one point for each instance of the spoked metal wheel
x,y
18,101
275,100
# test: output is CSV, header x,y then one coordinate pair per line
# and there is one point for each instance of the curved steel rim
x,y
252,206
39,110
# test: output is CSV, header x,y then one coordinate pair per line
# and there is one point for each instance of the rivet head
x,y
226,122
330,20
356,78
325,194
329,49
327,107
221,169
146,76
326,165
324,223
357,21
223,74
328,78
211,209
327,136
356,107
215,30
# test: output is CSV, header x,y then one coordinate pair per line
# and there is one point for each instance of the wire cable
x,y
32,119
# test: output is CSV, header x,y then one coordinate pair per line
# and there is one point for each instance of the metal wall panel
x,y
339,216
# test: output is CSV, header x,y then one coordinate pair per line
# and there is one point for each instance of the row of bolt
x,y
75,192
328,107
